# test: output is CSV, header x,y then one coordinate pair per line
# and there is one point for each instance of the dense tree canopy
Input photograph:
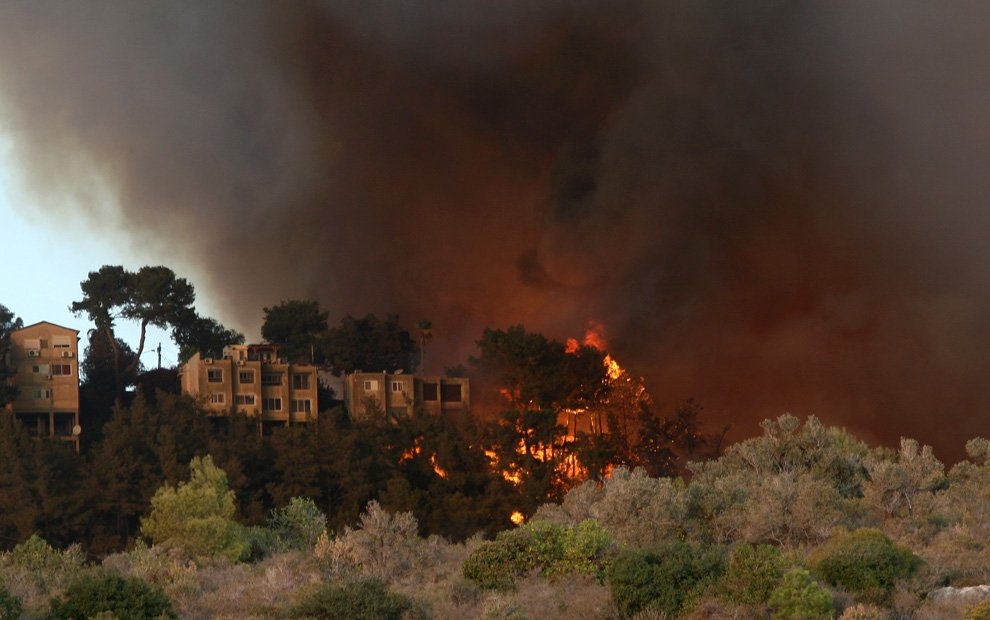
x,y
370,344
537,373
151,296
8,323
295,325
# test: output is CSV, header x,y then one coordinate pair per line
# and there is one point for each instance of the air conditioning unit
x,y
34,353
67,354
207,360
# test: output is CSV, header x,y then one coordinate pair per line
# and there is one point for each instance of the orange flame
x,y
517,517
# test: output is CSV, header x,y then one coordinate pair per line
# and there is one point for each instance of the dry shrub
x,y
864,612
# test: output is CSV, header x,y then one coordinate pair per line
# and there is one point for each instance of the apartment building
x,y
254,380
369,394
45,360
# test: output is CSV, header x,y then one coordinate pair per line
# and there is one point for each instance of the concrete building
x,y
367,394
45,359
254,380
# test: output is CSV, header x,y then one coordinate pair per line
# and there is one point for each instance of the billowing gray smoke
x,y
772,207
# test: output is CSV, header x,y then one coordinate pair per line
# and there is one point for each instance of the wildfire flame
x,y
594,336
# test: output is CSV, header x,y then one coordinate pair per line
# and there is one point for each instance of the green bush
x,y
100,592
865,562
495,564
198,515
799,597
554,549
752,573
361,599
665,578
297,525
10,605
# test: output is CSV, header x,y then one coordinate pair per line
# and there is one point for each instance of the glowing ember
x,y
517,518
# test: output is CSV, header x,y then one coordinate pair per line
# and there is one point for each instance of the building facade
x,y
368,395
45,360
254,380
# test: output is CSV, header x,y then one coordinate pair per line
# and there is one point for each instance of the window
x,y
300,382
43,342
32,344
61,369
246,376
451,392
214,375
430,391
271,378
39,394
273,404
302,405
245,399
218,398
41,369
62,342
397,386
370,385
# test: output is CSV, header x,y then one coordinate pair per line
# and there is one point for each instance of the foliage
x,y
151,296
370,344
360,599
789,487
8,323
666,577
980,611
537,373
10,605
204,335
384,545
551,548
799,597
865,562
298,525
753,571
127,598
295,325
34,569
198,515
863,612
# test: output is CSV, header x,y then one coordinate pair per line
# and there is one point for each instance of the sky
x,y
771,207
50,256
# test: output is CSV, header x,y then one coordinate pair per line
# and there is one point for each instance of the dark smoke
x,y
774,206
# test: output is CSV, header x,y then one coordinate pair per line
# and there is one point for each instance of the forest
x,y
168,512
804,521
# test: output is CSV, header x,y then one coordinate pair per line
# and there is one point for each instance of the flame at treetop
x,y
594,336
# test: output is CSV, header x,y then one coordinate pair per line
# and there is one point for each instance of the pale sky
x,y
47,256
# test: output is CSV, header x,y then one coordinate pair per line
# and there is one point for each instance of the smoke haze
x,y
772,206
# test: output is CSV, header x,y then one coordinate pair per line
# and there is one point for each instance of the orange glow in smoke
x,y
517,518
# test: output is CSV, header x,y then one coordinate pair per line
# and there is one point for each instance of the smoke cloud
x,y
771,207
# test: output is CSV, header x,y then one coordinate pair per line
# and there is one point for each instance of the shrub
x,y
752,573
33,571
198,515
980,611
10,605
865,562
297,525
361,599
127,598
554,549
864,612
665,578
798,597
